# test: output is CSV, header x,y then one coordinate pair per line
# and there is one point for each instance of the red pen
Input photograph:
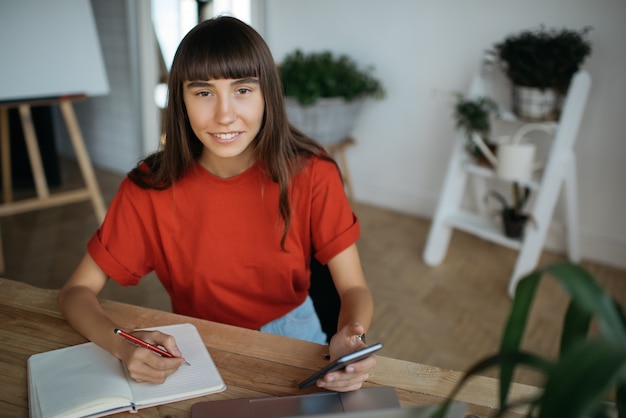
x,y
145,344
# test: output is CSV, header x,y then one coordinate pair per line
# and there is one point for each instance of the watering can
x,y
515,159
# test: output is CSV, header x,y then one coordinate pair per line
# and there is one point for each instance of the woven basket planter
x,y
534,104
328,120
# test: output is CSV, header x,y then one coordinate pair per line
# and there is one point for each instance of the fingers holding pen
x,y
144,366
150,356
159,339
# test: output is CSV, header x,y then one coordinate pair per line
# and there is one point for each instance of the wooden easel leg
x,y
83,158
2,267
7,182
5,149
34,155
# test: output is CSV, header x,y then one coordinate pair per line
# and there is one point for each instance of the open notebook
x,y
85,380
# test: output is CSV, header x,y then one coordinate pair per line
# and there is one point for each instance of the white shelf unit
x,y
559,171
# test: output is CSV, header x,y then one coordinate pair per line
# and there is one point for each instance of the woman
x,y
227,214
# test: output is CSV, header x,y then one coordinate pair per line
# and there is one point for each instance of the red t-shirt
x,y
214,243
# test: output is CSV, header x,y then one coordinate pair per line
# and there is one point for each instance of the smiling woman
x,y
226,116
228,214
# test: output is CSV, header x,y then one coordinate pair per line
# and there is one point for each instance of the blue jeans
x,y
301,323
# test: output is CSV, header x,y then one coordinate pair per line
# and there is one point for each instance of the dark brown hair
x,y
227,48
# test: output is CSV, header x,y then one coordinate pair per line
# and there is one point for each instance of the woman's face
x,y
226,116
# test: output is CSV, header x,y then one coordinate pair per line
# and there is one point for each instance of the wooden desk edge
x,y
432,381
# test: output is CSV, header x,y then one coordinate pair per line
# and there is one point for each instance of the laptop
x,y
366,402
311,404
456,410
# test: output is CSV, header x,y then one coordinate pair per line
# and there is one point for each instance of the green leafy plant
x,y
473,116
544,58
321,74
514,218
590,369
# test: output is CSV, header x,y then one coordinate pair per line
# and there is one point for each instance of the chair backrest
x,y
325,297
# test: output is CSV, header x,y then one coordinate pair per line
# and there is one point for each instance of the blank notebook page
x,y
187,380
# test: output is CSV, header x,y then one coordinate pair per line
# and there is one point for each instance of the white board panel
x,y
49,49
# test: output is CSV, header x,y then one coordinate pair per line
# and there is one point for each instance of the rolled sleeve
x,y
107,262
334,226
339,243
120,246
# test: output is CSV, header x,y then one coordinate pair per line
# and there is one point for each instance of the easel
x,y
44,199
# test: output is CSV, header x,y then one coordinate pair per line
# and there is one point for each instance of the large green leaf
x,y
575,326
586,370
500,359
581,380
620,396
514,329
586,292
588,299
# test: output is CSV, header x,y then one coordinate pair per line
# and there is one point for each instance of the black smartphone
x,y
340,363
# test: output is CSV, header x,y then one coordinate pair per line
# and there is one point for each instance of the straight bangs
x,y
215,57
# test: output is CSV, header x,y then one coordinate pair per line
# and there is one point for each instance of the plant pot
x,y
328,120
514,225
475,151
534,104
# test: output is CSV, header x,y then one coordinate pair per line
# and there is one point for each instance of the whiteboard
x,y
49,49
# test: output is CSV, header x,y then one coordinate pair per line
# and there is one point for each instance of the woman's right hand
x,y
145,365
79,304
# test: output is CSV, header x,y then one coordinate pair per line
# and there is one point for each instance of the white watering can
x,y
515,158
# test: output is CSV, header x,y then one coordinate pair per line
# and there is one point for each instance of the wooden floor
x,y
449,316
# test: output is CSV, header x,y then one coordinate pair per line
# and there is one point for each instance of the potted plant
x,y
541,63
473,116
588,379
514,219
324,93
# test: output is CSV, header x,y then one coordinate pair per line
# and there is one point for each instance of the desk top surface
x,y
252,363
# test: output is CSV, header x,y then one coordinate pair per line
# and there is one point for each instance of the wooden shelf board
x,y
483,227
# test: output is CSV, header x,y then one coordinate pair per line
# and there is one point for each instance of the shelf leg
x,y
534,238
453,190
571,208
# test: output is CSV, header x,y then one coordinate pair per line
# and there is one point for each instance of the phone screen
x,y
340,363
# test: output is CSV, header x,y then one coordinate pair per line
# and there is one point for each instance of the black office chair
x,y
325,297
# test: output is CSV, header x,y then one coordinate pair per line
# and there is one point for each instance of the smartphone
x,y
340,363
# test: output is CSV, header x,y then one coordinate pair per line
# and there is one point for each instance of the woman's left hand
x,y
345,341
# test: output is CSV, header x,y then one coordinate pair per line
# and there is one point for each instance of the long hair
x,y
227,48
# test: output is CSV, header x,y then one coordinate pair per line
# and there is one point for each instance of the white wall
x,y
123,126
423,51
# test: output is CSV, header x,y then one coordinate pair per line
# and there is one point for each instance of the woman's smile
x,y
227,138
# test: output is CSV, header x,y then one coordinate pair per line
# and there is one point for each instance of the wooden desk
x,y
253,364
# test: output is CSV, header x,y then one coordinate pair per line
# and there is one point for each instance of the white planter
x,y
534,104
328,120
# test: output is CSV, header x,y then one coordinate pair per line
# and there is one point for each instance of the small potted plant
x,y
541,63
514,218
324,93
588,378
474,116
